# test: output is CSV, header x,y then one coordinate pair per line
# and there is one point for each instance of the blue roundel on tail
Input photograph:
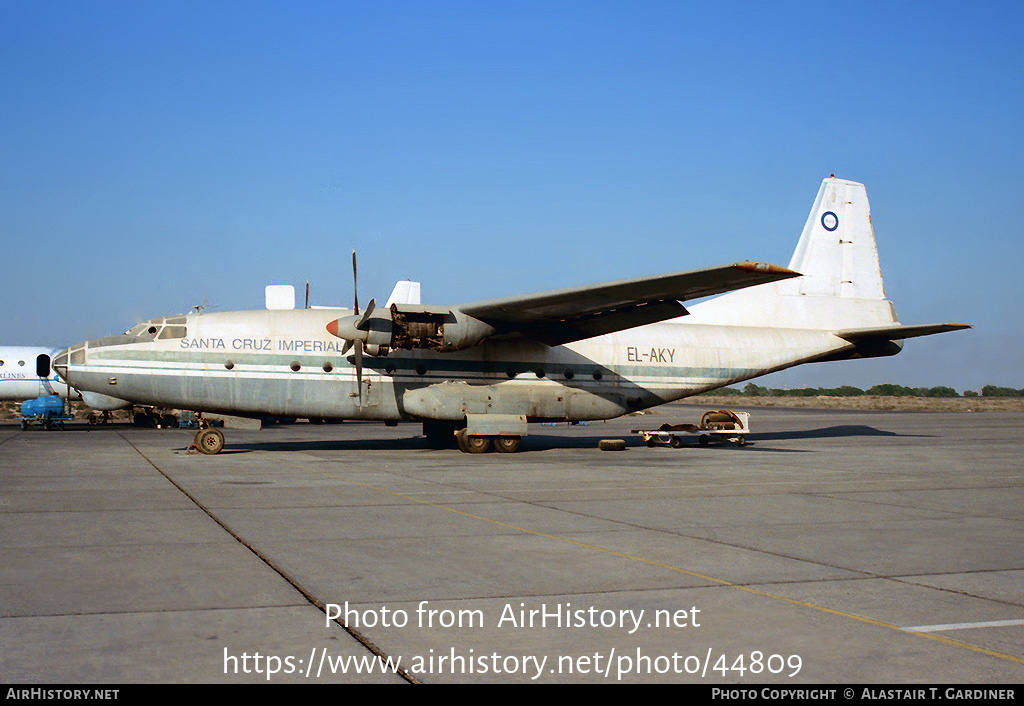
x,y
829,221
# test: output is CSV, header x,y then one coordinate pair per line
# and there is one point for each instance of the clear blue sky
x,y
154,156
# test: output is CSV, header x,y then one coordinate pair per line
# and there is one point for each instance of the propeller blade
x,y
366,315
355,283
359,370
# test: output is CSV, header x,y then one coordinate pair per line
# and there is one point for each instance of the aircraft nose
x,y
65,361
60,363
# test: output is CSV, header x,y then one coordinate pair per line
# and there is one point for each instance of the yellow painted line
x,y
676,569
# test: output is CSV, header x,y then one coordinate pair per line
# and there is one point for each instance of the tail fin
x,y
837,254
841,286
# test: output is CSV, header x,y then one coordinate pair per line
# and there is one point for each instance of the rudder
x,y
837,254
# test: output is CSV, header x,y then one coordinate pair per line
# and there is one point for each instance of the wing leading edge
x,y
566,315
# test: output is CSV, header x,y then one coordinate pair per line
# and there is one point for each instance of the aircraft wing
x,y
897,332
572,314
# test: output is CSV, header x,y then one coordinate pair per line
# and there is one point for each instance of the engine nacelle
x,y
414,326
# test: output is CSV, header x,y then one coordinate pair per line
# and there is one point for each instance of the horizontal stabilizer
x,y
898,333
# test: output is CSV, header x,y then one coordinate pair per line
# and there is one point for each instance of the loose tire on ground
x,y
209,441
612,444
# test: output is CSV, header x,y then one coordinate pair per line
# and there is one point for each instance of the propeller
x,y
352,329
352,335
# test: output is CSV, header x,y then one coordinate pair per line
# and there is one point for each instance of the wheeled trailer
x,y
46,421
722,424
48,411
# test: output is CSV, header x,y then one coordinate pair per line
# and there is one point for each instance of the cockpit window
x,y
137,330
164,328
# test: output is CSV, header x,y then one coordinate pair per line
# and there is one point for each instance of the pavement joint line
x,y
677,569
313,600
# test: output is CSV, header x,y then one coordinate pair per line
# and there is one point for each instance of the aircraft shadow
x,y
833,432
406,444
547,442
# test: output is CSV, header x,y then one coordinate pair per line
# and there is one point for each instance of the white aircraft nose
x,y
64,362
61,359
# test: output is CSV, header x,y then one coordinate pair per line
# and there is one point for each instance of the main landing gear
x,y
441,434
482,444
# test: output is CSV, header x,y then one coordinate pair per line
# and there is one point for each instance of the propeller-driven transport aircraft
x,y
480,372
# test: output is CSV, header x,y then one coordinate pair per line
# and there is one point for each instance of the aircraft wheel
x,y
741,440
704,439
478,444
675,442
507,444
209,441
472,444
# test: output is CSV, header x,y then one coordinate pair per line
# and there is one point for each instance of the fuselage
x,y
26,373
285,363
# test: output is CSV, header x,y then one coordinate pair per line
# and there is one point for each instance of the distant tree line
x,y
884,390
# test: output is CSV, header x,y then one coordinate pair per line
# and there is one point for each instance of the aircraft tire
x,y
478,444
612,444
472,444
209,441
507,444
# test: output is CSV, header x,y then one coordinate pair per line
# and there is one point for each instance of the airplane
x,y
481,372
26,372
